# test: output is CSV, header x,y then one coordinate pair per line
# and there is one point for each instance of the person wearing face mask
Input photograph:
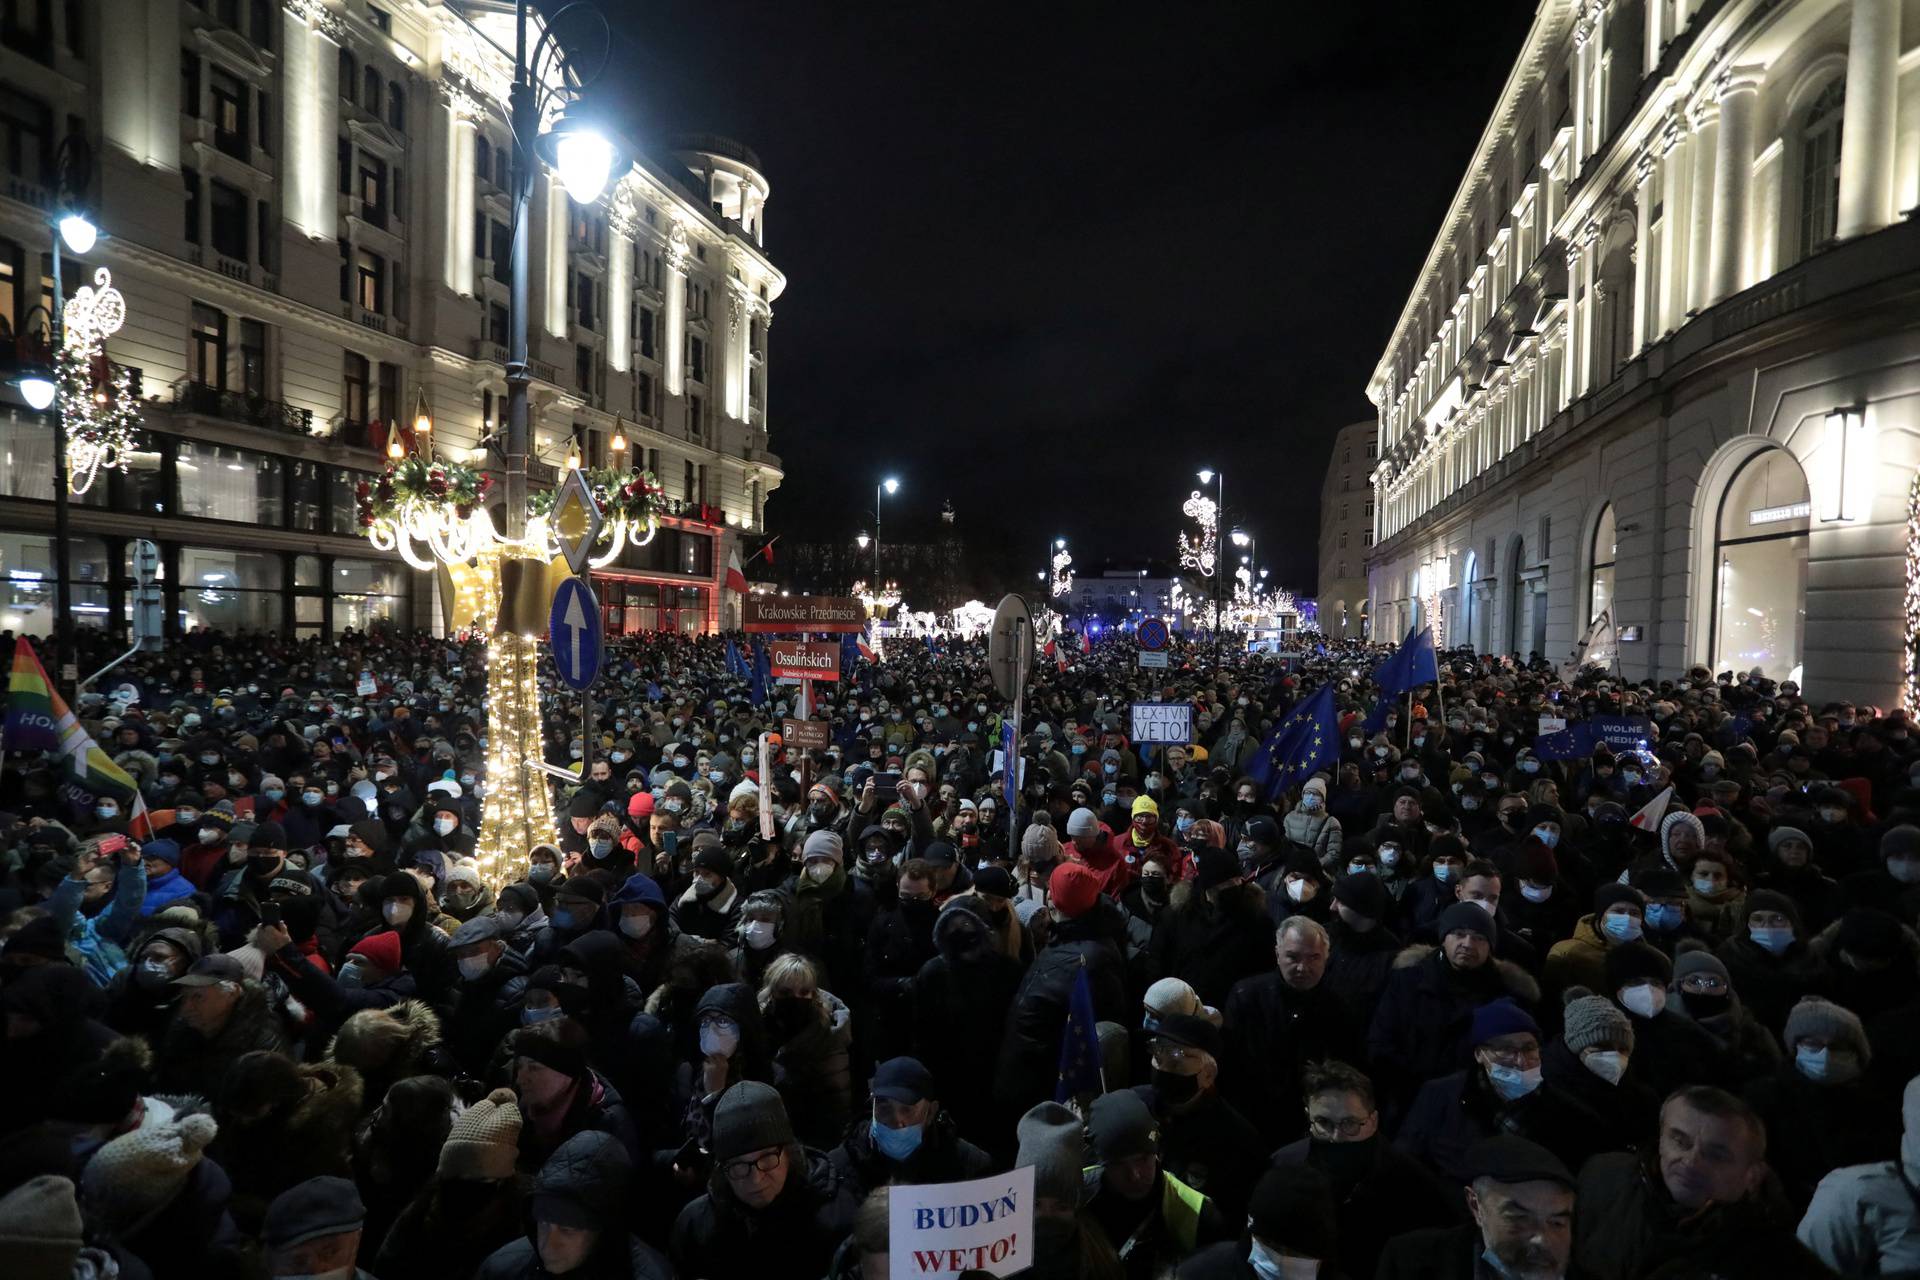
x,y
1521,1199
1378,1192
959,1002
1084,928
1153,1219
1309,825
1205,1141
465,896
203,860
1820,1112
442,825
810,1032
1893,885
898,943
1769,960
1599,1104
578,905
759,935
372,975
1581,960
544,872
521,915
1789,868
1670,1049
140,997
909,1138
1421,1026
1217,928
1716,902
830,913
482,1011
711,902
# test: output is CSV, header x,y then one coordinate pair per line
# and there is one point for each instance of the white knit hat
x,y
139,1173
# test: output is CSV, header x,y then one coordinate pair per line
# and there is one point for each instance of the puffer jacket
x,y
1319,832
1865,1218
812,1071
593,1173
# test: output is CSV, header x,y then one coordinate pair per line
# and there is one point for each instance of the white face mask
x,y
209,835
396,913
1535,892
472,967
444,825
820,872
1608,1064
1644,999
758,934
637,926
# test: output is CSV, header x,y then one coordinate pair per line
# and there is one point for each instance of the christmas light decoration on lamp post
x,y
1062,568
96,401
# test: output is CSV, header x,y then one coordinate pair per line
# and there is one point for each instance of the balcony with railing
x,y
237,406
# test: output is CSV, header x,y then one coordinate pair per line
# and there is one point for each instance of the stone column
x,y
1732,179
1582,54
1576,297
1645,308
558,210
1705,118
310,122
620,227
461,206
673,337
1867,125
1672,300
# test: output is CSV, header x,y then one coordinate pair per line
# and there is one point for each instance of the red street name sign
x,y
798,660
803,613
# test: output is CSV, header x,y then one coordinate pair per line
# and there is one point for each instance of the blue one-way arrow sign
x,y
573,629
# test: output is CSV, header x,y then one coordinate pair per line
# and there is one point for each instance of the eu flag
x,y
1080,1044
736,664
1411,666
1308,739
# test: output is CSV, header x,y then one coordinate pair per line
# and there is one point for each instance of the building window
x,y
1820,168
496,323
382,20
229,114
686,485
349,75
643,394
370,281
192,177
646,332
229,221
389,406
1600,576
696,359
1760,557
396,108
209,353
343,166
583,367
190,84
353,399
219,482
231,591
367,593
370,95
266,232
373,190
502,253
253,359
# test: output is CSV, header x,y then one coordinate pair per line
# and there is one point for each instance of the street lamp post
x,y
889,485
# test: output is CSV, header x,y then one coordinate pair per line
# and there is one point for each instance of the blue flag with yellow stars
x,y
1306,740
1080,1045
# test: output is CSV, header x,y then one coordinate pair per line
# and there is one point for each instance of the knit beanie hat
x,y
1502,1017
40,1229
557,1045
1902,841
1292,1208
484,1141
1074,887
1464,917
1122,1126
1825,1020
1676,819
1870,934
381,949
1315,784
1780,835
1362,893
750,1117
823,844
1699,960
1594,1022
139,1173
1051,1141
1040,842
1613,893
1536,862
1633,963
1082,822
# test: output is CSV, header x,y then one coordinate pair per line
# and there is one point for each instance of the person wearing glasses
x,y
1702,989
771,1204
1378,1192
1204,1141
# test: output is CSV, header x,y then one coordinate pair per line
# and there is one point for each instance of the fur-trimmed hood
x,y
1519,983
391,1041
1825,945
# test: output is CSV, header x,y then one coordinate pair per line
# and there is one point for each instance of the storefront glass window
x,y
219,482
344,517
1760,603
27,583
367,592
1600,593
306,494
229,590
26,460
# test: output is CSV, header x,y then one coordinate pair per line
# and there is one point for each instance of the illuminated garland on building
x,y
1910,678
1200,553
1062,572
97,404
516,816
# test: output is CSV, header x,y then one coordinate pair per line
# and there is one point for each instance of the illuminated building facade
x,y
1346,531
305,203
1659,358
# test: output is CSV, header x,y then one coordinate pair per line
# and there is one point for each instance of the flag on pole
x,y
736,576
863,644
736,662
1648,819
1599,647
761,674
39,718
1306,740
1080,1070
1412,665
1055,650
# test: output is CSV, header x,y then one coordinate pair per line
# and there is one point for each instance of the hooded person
x,y
1087,930
1217,928
614,997
1864,1219
767,1197
577,1213
959,1000
140,997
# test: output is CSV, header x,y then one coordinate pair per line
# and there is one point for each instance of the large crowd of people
x,y
1456,1006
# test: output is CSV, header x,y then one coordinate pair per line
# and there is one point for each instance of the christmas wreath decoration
x,y
414,481
633,496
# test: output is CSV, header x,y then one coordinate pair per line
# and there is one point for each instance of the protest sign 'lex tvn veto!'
x,y
949,1227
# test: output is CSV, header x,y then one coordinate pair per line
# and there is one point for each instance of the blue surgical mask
x,y
1529,766
1663,917
1513,1082
563,919
311,797
600,848
529,1016
274,794
1548,836
896,1144
1182,823
1775,939
1621,928
1443,872
106,812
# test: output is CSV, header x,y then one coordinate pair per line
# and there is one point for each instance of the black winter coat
x,y
1359,964
718,1238
1423,1023
1378,1192
1271,1032
593,1173
943,1156
1030,1047
1813,1129
1211,946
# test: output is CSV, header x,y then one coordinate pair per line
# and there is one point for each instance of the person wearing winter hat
x,y
41,1231
1052,1140
1500,1092
165,883
1204,1140
474,1204
1863,1219
1671,1049
908,1139
148,1188
1145,1211
1769,959
1586,1071
1309,825
1819,1113
1521,1197
313,1228
1581,960
768,1197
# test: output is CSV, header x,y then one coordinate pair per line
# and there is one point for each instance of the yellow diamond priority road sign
x,y
576,520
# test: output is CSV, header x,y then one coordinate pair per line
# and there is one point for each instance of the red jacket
x,y
1129,856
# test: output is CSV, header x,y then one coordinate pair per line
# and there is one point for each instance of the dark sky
x,y
1048,259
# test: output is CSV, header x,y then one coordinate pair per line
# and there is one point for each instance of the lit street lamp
x,y
889,485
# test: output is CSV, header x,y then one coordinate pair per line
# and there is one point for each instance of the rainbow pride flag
x,y
38,719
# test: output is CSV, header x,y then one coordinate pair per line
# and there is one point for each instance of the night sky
x,y
1046,260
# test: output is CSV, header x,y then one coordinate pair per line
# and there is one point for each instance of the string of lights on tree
x,y
1062,569
97,403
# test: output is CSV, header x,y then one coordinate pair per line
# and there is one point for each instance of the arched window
x,y
1820,168
1600,576
349,75
1469,615
371,98
483,158
1760,575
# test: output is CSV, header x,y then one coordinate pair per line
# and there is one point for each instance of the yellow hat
x,y
1145,804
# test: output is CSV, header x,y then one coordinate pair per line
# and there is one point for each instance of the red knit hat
x,y
1074,888
382,948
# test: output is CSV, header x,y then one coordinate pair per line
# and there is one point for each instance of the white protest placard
x,y
1552,724
366,688
998,764
1153,658
1167,722
945,1228
763,757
